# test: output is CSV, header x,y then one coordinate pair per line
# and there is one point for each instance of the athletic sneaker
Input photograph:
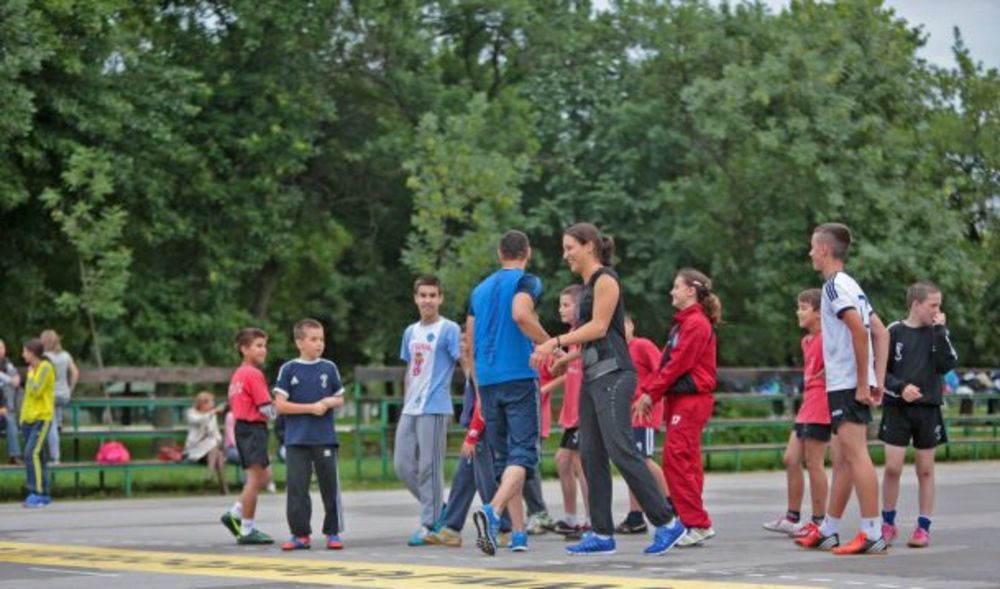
x,y
503,539
255,537
563,528
296,543
862,545
533,526
578,534
815,539
695,536
419,537
591,544
232,523
627,527
920,538
666,537
519,542
889,533
34,500
487,526
782,525
445,537
333,542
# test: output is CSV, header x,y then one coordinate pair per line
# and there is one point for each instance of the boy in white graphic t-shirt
x,y
430,348
855,353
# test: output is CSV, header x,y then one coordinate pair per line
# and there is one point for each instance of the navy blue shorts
x,y
511,413
645,440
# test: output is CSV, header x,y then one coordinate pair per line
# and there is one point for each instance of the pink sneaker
x,y
889,533
920,538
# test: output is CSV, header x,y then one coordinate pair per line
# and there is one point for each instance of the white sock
x,y
247,526
570,519
830,526
237,510
872,527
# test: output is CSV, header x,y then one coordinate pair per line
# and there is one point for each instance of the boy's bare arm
x,y
286,407
859,341
880,345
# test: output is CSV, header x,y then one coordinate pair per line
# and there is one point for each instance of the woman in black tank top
x,y
609,381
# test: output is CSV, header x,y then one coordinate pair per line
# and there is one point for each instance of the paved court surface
x,y
154,543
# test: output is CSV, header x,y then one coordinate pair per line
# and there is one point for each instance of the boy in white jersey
x,y
430,348
855,352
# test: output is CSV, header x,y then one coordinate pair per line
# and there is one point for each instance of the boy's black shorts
x,y
570,439
921,423
813,431
251,443
844,407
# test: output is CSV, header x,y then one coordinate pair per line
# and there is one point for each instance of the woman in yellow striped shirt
x,y
36,419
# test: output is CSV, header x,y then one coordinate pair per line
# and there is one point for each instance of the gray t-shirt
x,y
61,361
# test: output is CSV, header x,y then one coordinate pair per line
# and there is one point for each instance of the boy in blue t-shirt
x,y
307,390
430,348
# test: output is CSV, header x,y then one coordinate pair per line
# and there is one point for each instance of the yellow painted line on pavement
x,y
333,572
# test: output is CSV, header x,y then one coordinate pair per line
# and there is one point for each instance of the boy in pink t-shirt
x,y
812,428
568,462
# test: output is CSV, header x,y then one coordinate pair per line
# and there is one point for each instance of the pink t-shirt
x,y
229,439
247,392
569,415
646,358
815,406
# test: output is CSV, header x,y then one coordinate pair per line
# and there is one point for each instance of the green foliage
x,y
176,171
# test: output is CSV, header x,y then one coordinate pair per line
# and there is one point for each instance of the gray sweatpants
x,y
419,460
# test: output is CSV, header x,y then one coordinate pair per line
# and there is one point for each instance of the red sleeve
x,y
647,359
691,339
258,389
477,425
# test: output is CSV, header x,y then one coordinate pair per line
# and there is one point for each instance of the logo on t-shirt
x,y
322,380
430,337
295,380
899,352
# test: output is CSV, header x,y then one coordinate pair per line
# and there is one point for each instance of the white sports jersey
x,y
840,293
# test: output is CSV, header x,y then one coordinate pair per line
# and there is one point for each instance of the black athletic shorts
x,y
570,439
813,431
921,423
251,443
844,407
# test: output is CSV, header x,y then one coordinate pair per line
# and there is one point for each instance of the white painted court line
x,y
69,572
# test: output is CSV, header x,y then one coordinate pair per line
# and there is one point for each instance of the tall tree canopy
x,y
171,171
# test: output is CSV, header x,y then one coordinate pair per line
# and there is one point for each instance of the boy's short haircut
x,y
572,291
247,336
812,297
299,331
514,245
838,236
427,280
919,291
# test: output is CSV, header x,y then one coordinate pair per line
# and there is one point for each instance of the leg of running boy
x,y
795,482
567,483
298,503
324,460
854,445
895,457
924,465
815,456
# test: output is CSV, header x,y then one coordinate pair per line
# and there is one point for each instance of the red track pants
x,y
686,416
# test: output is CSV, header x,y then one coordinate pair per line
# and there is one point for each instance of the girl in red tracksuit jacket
x,y
686,380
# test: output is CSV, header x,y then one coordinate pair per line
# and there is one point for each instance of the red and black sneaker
x,y
862,545
815,539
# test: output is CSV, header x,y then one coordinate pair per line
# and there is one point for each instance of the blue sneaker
x,y
34,500
418,538
519,542
487,526
591,544
666,537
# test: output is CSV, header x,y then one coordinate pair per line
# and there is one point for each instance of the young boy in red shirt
x,y
251,404
812,427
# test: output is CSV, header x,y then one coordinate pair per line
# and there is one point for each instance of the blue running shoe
x,y
592,544
487,525
33,501
519,542
666,537
418,538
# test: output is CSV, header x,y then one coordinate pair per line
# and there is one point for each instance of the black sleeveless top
x,y
610,353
